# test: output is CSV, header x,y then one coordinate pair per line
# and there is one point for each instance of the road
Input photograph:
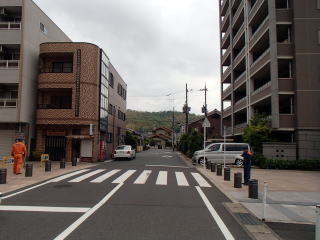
x,y
155,196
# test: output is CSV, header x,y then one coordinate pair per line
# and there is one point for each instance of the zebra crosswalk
x,y
116,176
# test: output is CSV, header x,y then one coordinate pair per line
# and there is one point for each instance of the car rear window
x,y
123,148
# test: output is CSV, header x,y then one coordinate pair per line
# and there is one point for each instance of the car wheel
x,y
200,161
239,162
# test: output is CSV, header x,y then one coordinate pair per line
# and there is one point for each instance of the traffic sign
x,y
206,123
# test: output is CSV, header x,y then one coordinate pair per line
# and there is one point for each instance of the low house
x,y
160,136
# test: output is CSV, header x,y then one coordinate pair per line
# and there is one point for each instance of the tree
x,y
195,142
130,139
257,132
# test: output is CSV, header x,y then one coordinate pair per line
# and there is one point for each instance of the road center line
x,y
43,209
225,231
169,166
80,220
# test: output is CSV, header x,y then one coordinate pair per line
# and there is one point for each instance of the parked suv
x,y
215,153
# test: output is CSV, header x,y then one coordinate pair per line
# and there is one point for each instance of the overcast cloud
x,y
157,46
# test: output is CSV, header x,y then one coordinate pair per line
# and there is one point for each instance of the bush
x,y
262,162
189,143
36,156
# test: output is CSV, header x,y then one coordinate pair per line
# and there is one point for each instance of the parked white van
x,y
215,153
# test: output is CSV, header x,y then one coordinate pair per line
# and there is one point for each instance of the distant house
x,y
213,132
161,135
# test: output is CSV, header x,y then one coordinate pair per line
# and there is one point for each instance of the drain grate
x,y
247,219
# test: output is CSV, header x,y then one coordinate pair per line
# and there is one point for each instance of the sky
x,y
157,46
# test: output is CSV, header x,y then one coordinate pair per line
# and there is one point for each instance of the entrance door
x,y
55,147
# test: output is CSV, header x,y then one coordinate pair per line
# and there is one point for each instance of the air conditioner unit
x,y
2,11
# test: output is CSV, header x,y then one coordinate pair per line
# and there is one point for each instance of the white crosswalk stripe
x,y
105,176
143,177
162,178
58,179
200,180
90,174
124,176
181,179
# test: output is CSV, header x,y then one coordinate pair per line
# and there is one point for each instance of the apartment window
x,y
111,80
110,109
109,137
43,28
318,4
62,67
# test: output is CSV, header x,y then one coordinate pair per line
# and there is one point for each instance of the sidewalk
x,y
15,182
291,197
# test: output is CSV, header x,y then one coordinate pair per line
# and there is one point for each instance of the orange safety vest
x,y
18,148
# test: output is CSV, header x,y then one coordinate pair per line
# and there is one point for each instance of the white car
x,y
124,151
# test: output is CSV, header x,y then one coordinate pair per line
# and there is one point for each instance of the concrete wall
x,y
308,144
281,151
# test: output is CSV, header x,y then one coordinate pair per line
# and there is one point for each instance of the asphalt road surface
x,y
155,196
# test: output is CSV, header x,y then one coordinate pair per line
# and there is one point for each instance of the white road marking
x,y
105,176
225,231
80,220
58,179
90,174
143,177
107,161
181,179
43,209
162,178
200,180
167,156
25,190
124,176
169,166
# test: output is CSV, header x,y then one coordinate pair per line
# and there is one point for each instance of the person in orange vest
x,y
247,158
18,151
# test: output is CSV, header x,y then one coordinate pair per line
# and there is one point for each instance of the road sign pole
x,y
204,147
224,147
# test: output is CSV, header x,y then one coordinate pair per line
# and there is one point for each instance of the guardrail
x,y
5,64
10,25
8,103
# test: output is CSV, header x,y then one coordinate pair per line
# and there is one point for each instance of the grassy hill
x,y
147,121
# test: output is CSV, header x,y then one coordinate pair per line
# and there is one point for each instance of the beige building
x,y
23,26
270,64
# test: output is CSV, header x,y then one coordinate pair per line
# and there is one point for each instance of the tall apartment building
x,y
117,111
23,26
270,63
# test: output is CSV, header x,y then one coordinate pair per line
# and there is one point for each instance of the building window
x,y
43,28
109,137
62,67
111,80
318,4
319,34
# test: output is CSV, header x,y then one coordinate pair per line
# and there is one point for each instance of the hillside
x,y
146,121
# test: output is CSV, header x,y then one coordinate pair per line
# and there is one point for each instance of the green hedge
x,y
265,163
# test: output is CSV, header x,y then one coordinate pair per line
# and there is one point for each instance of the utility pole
x,y
204,108
187,109
173,130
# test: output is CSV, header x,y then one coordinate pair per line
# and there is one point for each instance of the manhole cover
x,y
62,186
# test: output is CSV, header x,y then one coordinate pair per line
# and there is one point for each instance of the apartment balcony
x,y
227,112
8,114
261,93
239,34
287,121
239,128
284,15
226,22
56,78
8,103
240,10
255,9
226,92
10,32
225,43
260,62
56,116
241,104
285,50
224,7
239,81
286,85
226,75
226,56
9,64
229,131
264,26
239,57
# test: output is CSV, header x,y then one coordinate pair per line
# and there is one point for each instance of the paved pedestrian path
x,y
291,196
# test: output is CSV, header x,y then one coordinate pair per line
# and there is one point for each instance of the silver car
x,y
220,152
124,151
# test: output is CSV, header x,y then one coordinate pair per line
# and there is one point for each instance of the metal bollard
x,y
237,180
253,188
227,172
213,167
208,164
29,168
264,201
0,197
3,176
62,164
318,222
219,170
48,166
74,162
